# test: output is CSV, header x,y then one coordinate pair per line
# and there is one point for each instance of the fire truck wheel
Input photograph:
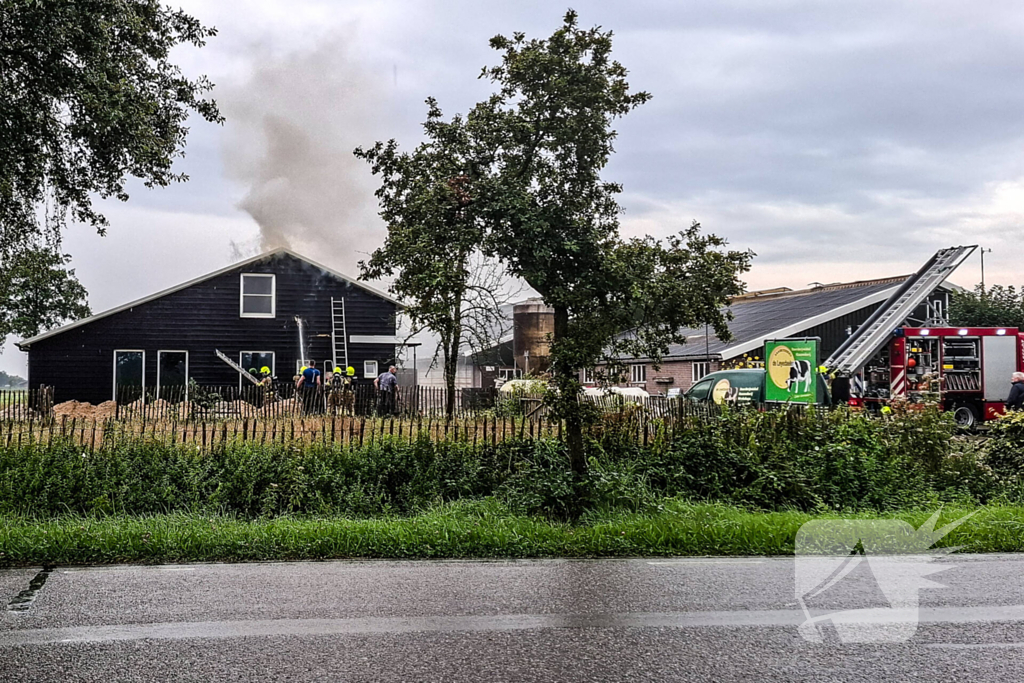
x,y
964,416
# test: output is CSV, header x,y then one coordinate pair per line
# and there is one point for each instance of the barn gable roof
x,y
780,313
26,343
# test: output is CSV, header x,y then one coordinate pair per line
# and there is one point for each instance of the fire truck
x,y
962,369
965,370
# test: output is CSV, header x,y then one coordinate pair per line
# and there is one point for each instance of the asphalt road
x,y
601,620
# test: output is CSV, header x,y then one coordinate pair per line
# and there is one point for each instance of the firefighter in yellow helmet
x,y
267,385
340,395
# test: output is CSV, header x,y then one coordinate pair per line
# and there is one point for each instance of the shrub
x,y
807,460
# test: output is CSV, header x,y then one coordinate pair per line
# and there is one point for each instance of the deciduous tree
x,y
553,219
88,97
37,292
432,247
997,306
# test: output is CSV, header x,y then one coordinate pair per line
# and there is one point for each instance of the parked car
x,y
740,387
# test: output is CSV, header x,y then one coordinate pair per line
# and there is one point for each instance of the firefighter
x,y
348,403
335,390
267,385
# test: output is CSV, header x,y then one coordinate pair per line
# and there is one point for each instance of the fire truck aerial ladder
x,y
876,331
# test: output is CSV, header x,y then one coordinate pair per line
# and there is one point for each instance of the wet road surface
x,y
601,620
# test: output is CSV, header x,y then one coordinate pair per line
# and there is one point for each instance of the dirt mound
x,y
18,412
106,410
74,410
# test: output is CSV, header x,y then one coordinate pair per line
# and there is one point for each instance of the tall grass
x,y
484,529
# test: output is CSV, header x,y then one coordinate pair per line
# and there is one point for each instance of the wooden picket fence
x,y
283,401
205,435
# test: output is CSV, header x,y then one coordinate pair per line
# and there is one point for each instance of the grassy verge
x,y
460,530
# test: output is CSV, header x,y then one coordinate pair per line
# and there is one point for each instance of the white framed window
x,y
509,373
129,374
698,370
370,369
638,373
171,371
258,298
256,360
587,376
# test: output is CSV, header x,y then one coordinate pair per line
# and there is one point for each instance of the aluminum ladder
x,y
338,324
236,367
876,330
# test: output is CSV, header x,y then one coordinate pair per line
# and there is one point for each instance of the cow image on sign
x,y
792,370
799,373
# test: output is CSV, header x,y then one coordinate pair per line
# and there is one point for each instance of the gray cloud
x,y
837,140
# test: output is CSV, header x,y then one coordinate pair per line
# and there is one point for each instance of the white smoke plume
x,y
291,129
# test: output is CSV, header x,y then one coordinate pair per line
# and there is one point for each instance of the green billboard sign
x,y
791,366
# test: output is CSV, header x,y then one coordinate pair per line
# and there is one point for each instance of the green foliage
x,y
426,200
1004,450
808,461
37,293
12,381
88,97
552,219
998,306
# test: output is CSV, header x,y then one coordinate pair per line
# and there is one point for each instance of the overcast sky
x,y
839,141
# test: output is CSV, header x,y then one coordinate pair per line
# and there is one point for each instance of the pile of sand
x,y
284,408
76,410
18,412
106,410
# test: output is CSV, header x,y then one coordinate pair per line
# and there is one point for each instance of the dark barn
x,y
247,311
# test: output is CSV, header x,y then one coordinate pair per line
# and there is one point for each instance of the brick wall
x,y
680,371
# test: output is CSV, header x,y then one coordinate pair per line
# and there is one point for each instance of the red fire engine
x,y
966,370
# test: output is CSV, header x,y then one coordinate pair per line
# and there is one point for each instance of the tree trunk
x,y
568,400
451,367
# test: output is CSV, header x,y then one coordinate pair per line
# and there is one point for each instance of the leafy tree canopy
x,y
433,234
997,306
553,219
12,381
88,96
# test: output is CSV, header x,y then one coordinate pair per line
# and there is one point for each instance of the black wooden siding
x,y
205,317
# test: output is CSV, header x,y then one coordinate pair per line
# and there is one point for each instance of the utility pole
x,y
983,250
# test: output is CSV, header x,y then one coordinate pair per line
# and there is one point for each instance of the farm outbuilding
x,y
830,312
255,313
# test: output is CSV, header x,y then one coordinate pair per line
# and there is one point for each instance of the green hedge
x,y
773,461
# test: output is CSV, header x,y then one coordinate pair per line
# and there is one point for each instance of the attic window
x,y
257,299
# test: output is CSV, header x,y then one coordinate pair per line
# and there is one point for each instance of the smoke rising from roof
x,y
291,129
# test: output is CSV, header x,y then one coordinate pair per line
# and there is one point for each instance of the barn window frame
x,y
698,369
273,364
370,374
113,378
242,295
159,353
